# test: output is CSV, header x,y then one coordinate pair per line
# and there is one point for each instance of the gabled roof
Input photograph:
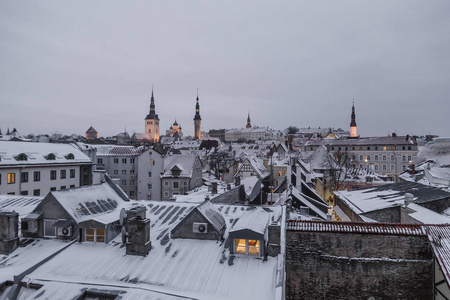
x,y
259,168
318,208
91,202
184,162
91,130
114,150
255,220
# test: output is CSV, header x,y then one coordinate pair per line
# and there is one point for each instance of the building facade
x,y
150,165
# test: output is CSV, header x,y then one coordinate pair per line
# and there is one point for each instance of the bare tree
x,y
220,162
338,165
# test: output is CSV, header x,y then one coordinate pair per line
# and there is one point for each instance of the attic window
x,y
176,171
247,247
21,157
70,156
51,156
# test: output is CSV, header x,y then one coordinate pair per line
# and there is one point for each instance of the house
x,y
149,164
87,214
181,173
38,168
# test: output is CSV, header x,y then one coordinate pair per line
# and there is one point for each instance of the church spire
x,y
249,125
152,114
353,122
197,120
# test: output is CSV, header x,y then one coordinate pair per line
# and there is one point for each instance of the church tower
x,y
249,125
197,120
152,121
353,123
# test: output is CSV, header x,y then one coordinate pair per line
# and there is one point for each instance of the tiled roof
x,y
352,227
368,141
119,150
439,237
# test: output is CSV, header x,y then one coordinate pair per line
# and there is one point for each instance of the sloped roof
x,y
37,153
255,220
311,203
23,205
89,202
365,141
210,212
257,166
184,162
114,150
91,130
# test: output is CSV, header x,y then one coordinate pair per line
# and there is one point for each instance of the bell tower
x,y
152,121
197,121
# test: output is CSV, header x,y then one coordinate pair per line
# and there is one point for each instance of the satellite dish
x,y
124,235
123,217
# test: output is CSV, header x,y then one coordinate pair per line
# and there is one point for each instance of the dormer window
x,y
21,157
70,156
51,156
176,171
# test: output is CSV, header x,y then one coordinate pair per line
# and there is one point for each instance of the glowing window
x,y
253,247
90,235
240,246
248,247
11,178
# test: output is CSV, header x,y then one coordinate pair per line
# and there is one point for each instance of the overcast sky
x,y
67,65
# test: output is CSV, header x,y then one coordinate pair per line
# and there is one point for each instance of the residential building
x,y
181,173
35,169
150,164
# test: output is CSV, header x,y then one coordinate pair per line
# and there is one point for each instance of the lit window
x,y
280,173
11,178
95,235
384,148
240,246
249,247
152,162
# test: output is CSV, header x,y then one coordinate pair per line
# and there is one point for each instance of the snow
x,y
255,220
173,269
23,205
426,216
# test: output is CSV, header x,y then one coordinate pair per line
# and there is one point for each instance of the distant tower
x,y
197,120
91,134
353,123
152,121
248,122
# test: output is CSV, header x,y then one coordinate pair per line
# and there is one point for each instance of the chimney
x,y
394,134
214,188
408,198
9,232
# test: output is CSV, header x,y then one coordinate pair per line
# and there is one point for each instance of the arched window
x,y
21,156
70,156
51,156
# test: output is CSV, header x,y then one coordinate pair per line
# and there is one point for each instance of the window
x,y
403,148
24,193
72,185
95,235
384,167
132,182
360,148
149,174
36,192
149,186
175,184
185,183
376,157
353,148
11,178
384,148
124,160
53,189
132,172
384,157
124,182
116,160
116,172
131,160
72,173
332,148
53,175
152,162
368,157
392,168
392,147
49,229
166,183
403,168
70,156
100,161
63,174
124,172
376,147
280,173
248,247
131,193
376,167
21,157
360,157
392,157
404,158
166,194
368,148
409,147
63,187
409,157
24,177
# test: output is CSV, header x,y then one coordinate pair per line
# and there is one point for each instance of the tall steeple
x,y
249,125
197,120
353,122
152,121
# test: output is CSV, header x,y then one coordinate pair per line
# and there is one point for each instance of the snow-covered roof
x,y
184,162
114,150
389,195
23,205
366,141
210,212
427,216
255,220
173,269
257,165
311,203
27,153
96,202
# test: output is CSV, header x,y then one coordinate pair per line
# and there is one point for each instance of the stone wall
x,y
323,265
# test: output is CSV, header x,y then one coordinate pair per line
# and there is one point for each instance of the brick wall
x,y
322,265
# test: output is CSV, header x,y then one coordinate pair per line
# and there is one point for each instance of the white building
x,y
36,169
150,165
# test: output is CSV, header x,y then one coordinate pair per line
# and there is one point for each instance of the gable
x,y
52,209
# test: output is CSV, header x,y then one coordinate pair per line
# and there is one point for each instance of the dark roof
x,y
367,141
91,130
212,215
